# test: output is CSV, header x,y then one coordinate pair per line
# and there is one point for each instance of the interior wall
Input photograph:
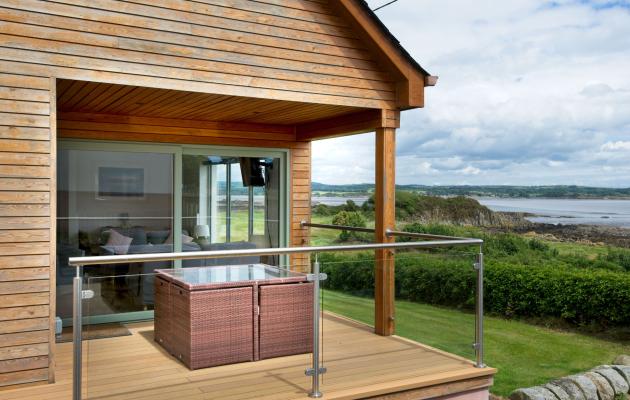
x,y
82,176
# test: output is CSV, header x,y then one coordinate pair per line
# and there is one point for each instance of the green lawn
x,y
526,355
240,223
322,237
590,251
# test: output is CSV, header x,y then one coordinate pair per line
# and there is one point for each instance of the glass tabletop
x,y
228,273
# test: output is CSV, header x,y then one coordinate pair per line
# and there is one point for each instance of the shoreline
x,y
577,233
368,194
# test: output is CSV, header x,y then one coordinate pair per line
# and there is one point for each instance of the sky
x,y
529,93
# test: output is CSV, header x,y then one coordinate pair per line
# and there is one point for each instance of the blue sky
x,y
530,92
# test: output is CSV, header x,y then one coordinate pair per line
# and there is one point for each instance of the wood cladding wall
x,y
264,49
289,50
26,227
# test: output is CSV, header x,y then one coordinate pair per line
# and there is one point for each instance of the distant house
x,y
128,126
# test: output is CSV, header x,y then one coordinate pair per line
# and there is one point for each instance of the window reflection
x,y
112,202
231,203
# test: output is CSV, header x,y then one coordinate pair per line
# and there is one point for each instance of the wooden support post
x,y
385,216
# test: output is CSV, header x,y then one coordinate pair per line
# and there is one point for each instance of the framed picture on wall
x,y
117,182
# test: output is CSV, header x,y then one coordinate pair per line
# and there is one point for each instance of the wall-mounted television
x,y
252,171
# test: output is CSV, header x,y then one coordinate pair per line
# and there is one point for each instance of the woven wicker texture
x,y
256,324
212,327
286,317
162,313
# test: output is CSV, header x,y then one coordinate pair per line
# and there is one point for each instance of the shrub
x,y
326,210
349,218
323,210
579,296
352,274
620,257
538,245
586,296
351,206
416,206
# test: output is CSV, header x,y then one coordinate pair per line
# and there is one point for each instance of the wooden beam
x,y
384,197
410,80
348,124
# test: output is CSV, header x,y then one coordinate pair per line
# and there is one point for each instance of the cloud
x,y
469,170
616,146
528,94
596,89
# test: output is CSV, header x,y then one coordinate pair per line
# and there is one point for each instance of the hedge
x,y
579,296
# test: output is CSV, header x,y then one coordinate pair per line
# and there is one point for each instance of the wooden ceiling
x,y
104,98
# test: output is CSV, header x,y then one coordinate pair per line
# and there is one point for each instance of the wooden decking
x,y
360,364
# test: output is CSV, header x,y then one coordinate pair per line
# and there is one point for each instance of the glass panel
x,y
430,288
239,206
225,274
127,360
435,299
349,288
121,356
112,202
230,203
435,294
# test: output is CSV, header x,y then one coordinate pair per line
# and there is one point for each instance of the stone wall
x,y
605,382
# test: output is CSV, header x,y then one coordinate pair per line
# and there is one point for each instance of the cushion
x,y
158,237
118,243
138,234
185,238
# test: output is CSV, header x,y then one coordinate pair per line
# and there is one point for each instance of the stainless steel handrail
x,y
388,232
445,241
196,255
418,235
336,227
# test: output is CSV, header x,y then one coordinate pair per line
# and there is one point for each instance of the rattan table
x,y
208,316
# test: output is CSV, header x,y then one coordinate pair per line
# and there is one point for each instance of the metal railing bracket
x,y
312,277
311,371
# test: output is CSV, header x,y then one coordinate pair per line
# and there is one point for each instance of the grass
x,y
322,237
590,251
525,354
239,224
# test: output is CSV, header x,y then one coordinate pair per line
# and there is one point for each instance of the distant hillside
x,y
455,210
419,208
556,192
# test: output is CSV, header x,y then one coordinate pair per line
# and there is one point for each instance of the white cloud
x,y
529,93
469,170
616,146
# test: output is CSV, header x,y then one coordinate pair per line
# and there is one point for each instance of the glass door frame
x,y
178,150
232,151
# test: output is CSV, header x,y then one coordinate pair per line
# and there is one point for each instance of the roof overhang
x,y
410,77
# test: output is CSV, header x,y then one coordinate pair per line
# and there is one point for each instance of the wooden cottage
x,y
135,117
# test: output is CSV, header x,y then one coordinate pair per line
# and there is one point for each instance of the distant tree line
x,y
504,191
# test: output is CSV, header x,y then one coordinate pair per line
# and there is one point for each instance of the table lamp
x,y
202,232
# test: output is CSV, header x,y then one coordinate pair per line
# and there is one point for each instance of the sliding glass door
x,y
231,202
117,198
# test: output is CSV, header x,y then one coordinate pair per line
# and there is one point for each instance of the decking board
x,y
359,364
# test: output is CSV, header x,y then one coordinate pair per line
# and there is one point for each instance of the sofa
x,y
154,241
